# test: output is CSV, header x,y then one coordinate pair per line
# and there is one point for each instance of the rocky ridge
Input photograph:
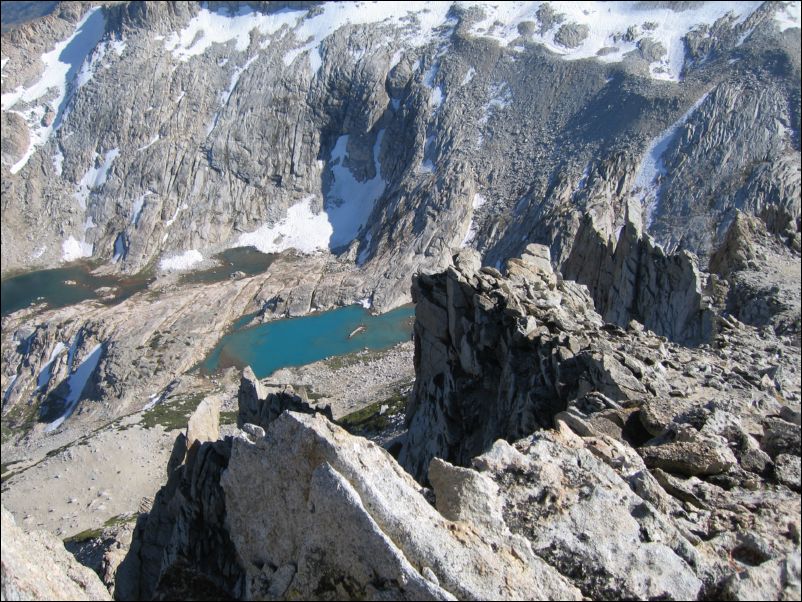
x,y
545,421
156,184
626,450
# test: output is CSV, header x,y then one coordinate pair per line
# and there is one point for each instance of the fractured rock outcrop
x,y
699,446
632,278
261,404
309,511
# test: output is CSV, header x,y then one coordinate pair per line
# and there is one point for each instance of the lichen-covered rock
x,y
581,517
361,527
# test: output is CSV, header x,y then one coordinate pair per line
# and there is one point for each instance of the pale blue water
x,y
298,341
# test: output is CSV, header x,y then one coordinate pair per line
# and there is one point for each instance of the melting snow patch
x,y
234,79
436,97
58,161
363,254
647,183
468,76
350,202
72,249
46,372
119,248
789,14
137,208
300,229
152,401
500,99
60,68
184,261
77,383
213,27
10,388
95,177
178,210
478,201
153,141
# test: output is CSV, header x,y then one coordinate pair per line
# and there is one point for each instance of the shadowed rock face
x,y
335,517
259,404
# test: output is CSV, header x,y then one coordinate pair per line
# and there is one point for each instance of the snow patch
x,y
46,372
153,141
788,15
77,383
58,161
363,254
178,210
182,261
95,176
217,27
607,22
350,202
500,99
61,65
478,202
468,76
436,97
72,249
137,207
301,229
234,79
10,388
648,179
119,248
415,22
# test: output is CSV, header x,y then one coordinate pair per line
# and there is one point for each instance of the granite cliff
x,y
598,210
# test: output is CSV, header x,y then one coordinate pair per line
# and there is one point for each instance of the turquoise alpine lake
x,y
298,341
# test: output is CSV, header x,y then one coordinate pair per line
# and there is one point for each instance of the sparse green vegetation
x,y
358,357
173,412
85,535
228,417
369,420
93,533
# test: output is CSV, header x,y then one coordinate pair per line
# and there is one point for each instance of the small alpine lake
x,y
298,341
60,287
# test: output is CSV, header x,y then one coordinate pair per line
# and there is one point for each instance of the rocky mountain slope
x,y
24,556
365,146
597,207
558,453
390,137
